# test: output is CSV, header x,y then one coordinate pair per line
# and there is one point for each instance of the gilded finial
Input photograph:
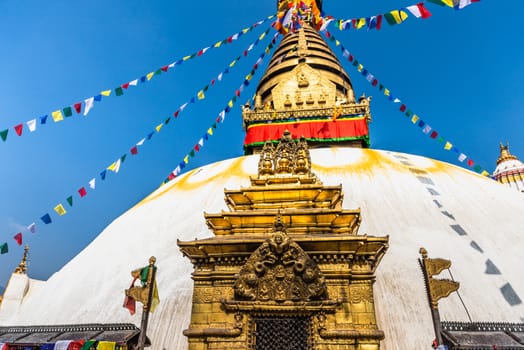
x,y
152,260
505,154
423,252
22,267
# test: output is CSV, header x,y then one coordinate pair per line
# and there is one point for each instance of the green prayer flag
x,y
68,111
158,71
4,248
234,99
214,125
167,121
192,153
477,168
409,113
123,158
70,200
3,134
205,88
440,139
438,2
119,91
88,345
355,63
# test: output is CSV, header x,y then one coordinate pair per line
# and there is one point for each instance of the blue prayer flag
x,y
46,219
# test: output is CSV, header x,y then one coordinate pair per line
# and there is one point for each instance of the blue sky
x,y
460,71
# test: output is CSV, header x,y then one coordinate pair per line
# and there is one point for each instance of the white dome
x,y
419,202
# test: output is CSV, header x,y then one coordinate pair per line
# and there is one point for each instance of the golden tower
x,y
286,268
509,170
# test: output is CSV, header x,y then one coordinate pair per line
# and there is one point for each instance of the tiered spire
x,y
509,170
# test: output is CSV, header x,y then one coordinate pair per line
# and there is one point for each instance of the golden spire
x,y
22,267
504,154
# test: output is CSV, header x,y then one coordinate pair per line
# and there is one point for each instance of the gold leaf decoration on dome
x,y
279,270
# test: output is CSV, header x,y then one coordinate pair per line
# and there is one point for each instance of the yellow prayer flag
x,y
447,146
57,116
249,76
484,173
245,30
60,210
337,42
230,103
105,92
201,95
217,44
186,159
448,2
262,36
155,300
106,345
233,63
400,16
210,131
159,126
150,75
267,50
361,22
112,167
386,92
185,58
414,119
360,67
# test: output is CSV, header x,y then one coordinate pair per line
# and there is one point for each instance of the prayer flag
x,y
103,174
192,153
210,131
192,100
43,119
150,135
82,192
31,125
18,129
78,107
463,3
57,116
3,134
123,158
395,17
119,91
402,107
186,159
141,142
98,98
106,345
134,150
4,249
68,111
448,146
115,166
426,129
133,82
70,201
359,23
46,219
106,92
419,10
433,134
201,95
92,183
414,119
89,104
201,142
158,127
18,238
470,162
150,75
477,168
462,157
32,228
60,210
484,173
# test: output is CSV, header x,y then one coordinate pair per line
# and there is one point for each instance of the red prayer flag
x,y
134,150
379,22
197,148
403,108
82,192
18,238
375,82
171,176
351,58
200,53
165,68
236,93
424,13
230,39
78,107
125,86
470,162
176,113
434,134
18,129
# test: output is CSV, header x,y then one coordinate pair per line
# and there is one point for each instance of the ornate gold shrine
x,y
286,268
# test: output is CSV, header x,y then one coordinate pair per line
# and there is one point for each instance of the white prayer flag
x,y
89,104
31,125
92,183
133,82
462,157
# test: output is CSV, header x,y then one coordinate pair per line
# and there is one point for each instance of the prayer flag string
x,y
87,104
221,116
403,108
114,167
